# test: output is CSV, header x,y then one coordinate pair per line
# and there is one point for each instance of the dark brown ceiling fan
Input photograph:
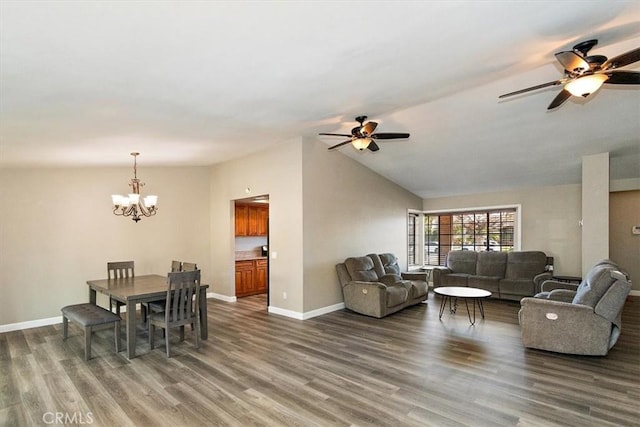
x,y
583,75
362,137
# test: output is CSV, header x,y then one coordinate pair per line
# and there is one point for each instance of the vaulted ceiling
x,y
197,83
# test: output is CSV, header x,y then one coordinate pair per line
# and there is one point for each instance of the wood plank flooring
x,y
340,369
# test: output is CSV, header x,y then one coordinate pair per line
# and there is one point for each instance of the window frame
x,y
421,262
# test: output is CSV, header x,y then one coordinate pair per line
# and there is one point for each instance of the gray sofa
x,y
577,319
507,275
374,286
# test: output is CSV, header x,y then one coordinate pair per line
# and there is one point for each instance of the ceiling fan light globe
x,y
361,143
586,85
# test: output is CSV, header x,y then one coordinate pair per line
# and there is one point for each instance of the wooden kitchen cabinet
x,y
251,220
261,275
252,277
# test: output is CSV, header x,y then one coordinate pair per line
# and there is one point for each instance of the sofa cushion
x,y
418,289
491,264
594,286
396,295
361,268
389,263
516,287
454,279
462,261
525,265
487,283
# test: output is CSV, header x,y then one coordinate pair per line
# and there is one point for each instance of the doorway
x,y
251,224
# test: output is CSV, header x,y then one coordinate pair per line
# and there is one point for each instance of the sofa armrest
x,y
437,275
368,298
564,295
538,279
550,285
415,275
563,327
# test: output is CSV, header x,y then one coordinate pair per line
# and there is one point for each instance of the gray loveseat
x,y
577,319
374,286
507,275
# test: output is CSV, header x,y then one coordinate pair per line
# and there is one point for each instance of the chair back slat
x,y
120,269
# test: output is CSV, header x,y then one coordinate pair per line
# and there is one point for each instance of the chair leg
x,y
166,340
65,327
152,330
87,343
196,324
182,333
117,334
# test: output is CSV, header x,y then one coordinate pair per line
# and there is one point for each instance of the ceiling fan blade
x,y
571,61
559,99
622,60
340,145
389,135
334,134
623,77
373,146
368,129
529,89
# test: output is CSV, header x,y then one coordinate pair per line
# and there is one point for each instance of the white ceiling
x,y
197,83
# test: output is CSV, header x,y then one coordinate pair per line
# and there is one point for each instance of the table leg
x,y
204,330
481,307
443,304
473,322
92,296
131,329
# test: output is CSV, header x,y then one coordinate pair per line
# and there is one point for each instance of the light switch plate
x,y
635,229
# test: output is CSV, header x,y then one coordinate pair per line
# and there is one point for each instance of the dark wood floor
x,y
409,369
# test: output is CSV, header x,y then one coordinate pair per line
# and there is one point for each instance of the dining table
x,y
140,289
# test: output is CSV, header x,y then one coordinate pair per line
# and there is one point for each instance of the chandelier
x,y
131,205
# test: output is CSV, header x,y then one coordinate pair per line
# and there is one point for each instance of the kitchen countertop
x,y
250,258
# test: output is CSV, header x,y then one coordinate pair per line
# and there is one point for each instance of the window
x,y
481,230
412,238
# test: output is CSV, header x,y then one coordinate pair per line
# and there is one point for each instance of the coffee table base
x,y
453,309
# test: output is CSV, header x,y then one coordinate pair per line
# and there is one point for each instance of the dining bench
x,y
91,318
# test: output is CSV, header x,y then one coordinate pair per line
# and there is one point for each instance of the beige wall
x,y
278,173
57,231
550,218
595,209
323,207
625,247
348,211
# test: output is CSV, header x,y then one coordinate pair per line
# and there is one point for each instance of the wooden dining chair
x,y
189,266
182,308
176,266
119,270
157,306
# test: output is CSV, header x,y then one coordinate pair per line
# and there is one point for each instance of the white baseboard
x,y
221,297
635,293
30,324
308,314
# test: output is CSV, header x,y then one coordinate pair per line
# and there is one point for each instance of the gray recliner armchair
x,y
577,319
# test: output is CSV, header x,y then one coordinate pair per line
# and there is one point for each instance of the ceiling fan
x,y
362,137
583,75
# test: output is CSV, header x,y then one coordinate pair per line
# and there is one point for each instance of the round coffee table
x,y
455,292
